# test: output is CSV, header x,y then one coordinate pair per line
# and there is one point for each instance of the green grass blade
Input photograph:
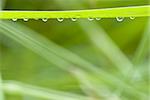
x,y
102,41
13,87
87,87
92,90
105,45
136,11
142,49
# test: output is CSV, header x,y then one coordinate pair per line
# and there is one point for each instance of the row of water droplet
x,y
119,19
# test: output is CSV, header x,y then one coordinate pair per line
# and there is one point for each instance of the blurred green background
x,y
21,64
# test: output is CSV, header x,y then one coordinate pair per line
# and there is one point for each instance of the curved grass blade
x,y
133,11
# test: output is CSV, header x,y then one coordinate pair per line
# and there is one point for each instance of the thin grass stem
x,y
13,87
143,47
87,87
103,42
133,11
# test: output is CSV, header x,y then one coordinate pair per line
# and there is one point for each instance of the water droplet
x,y
45,19
132,18
25,19
14,19
60,19
74,19
119,19
98,18
90,19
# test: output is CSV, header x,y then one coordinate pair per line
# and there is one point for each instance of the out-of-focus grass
x,y
88,66
142,49
1,88
54,54
23,89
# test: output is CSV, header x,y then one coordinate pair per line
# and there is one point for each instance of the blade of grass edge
x,y
136,11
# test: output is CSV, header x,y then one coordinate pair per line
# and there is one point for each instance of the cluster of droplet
x,y
119,19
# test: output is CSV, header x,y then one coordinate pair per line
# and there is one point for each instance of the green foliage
x,y
82,60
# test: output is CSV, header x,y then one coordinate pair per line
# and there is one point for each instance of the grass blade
x,y
142,49
13,87
136,11
105,45
87,87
